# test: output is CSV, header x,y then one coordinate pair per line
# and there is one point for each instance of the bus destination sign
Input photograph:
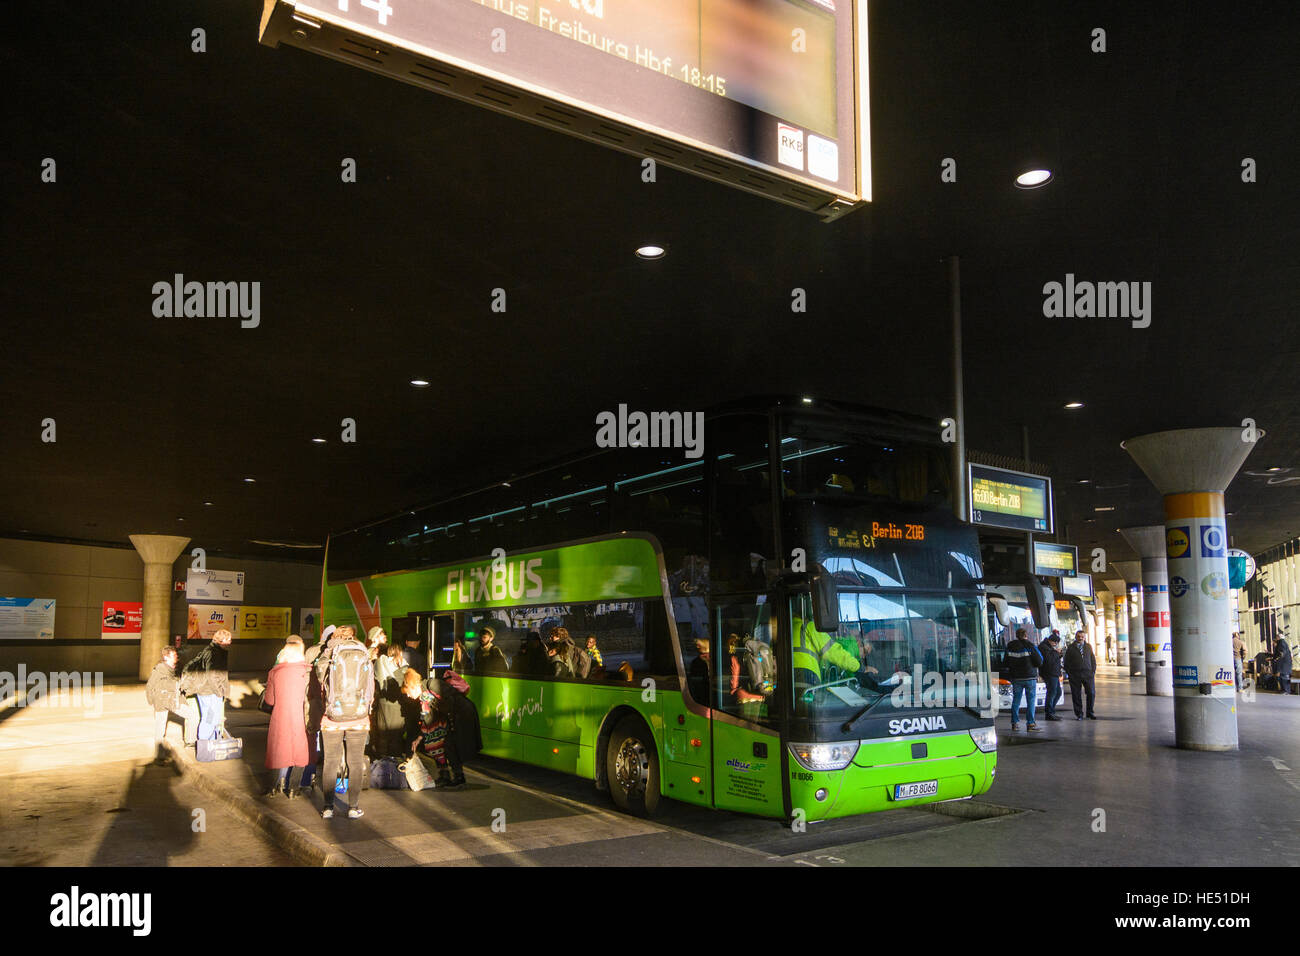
x,y
855,538
1001,498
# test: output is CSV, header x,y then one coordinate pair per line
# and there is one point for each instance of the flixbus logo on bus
x,y
916,725
744,766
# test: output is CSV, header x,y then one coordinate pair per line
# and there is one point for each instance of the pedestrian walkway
x,y
78,787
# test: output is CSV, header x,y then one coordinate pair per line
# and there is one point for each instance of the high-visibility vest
x,y
811,647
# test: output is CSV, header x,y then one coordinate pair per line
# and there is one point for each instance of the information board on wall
x,y
767,95
1001,498
122,619
1056,560
27,619
214,586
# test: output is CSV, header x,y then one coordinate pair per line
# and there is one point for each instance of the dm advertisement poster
x,y
206,619
264,622
122,619
26,619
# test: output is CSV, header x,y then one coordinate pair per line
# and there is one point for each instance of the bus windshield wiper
x,y
853,721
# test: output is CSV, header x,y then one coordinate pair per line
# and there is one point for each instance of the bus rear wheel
x,y
632,768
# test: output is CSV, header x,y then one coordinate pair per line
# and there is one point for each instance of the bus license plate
x,y
909,791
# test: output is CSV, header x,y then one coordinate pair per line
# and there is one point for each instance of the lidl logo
x,y
1213,541
1177,541
1215,585
1177,586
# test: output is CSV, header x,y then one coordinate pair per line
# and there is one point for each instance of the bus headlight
x,y
835,756
986,739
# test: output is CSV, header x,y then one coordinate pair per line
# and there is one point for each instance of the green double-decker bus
x,y
787,618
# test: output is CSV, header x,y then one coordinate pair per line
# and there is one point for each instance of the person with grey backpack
x,y
347,679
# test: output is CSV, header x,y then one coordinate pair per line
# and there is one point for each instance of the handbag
x,y
262,705
224,747
417,776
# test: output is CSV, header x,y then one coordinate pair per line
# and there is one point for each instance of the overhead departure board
x,y
767,95
1001,498
1060,560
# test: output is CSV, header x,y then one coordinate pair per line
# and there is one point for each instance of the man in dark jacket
x,y
490,659
1282,659
1050,671
1080,668
207,677
163,693
1023,661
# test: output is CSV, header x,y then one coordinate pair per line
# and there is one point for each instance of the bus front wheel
x,y
632,768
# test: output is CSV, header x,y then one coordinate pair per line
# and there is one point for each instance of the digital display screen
x,y
1001,498
1055,559
777,85
1080,585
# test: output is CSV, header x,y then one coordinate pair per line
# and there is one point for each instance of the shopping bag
x,y
417,776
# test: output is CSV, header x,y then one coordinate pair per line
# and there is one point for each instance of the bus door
x,y
436,631
745,697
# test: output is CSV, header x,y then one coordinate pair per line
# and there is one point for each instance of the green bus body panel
x,y
742,780
867,784
615,569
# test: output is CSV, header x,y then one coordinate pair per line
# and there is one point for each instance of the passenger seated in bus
x,y
577,663
700,673
490,658
753,669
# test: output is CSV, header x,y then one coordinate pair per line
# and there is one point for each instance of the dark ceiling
x,y
225,166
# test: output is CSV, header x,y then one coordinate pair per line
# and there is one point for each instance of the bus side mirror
x,y
826,604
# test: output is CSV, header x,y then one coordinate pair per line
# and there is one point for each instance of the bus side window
x,y
744,664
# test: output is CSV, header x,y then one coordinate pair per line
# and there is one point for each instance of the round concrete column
x,y
1132,574
1191,467
1119,593
1149,542
159,552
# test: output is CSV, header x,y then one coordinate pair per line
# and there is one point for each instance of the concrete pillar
x,y
1149,542
159,552
1119,594
1131,571
1192,467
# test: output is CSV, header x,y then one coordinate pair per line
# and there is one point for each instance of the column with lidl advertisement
x,y
1149,542
1192,468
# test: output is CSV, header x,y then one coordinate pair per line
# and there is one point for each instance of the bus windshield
x,y
916,650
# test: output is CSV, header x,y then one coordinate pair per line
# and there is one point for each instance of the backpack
x,y
757,666
579,662
349,686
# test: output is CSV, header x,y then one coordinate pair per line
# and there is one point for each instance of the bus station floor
x,y
1110,792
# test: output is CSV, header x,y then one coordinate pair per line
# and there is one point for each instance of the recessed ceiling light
x,y
1074,404
250,480
1104,508
1083,481
1275,469
808,401
1033,178
180,519
419,383
207,504
318,441
651,252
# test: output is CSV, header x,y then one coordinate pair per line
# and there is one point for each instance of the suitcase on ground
x,y
384,775
223,748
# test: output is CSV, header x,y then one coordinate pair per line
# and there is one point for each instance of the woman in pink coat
x,y
286,738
